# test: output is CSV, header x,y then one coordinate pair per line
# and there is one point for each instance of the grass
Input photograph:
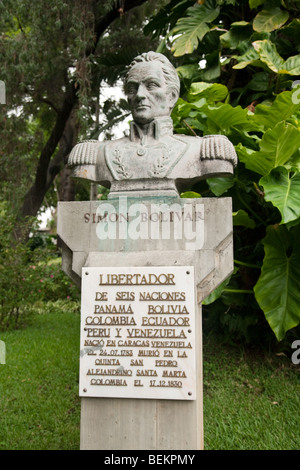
x,y
251,400
39,403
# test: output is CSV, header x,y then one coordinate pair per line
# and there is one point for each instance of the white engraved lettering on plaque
x,y
138,333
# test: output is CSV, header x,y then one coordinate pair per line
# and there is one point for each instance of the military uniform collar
x,y
157,129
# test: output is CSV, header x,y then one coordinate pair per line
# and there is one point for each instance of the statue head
x,y
152,87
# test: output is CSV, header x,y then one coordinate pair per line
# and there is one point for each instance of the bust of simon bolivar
x,y
152,160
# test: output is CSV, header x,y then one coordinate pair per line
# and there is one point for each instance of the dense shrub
x,y
27,276
239,64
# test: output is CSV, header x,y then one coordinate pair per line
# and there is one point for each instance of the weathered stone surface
x,y
152,158
205,243
146,224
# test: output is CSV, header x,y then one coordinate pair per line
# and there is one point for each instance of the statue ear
x,y
173,98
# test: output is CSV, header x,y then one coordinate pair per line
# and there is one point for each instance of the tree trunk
x,y
46,172
47,169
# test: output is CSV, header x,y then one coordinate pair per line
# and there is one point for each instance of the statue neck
x,y
155,129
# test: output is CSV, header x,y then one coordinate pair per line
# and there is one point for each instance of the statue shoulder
x,y
192,142
218,147
84,153
191,139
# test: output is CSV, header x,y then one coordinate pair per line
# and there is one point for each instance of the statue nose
x,y
141,91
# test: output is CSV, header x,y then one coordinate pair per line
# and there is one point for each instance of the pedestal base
x,y
149,424
139,424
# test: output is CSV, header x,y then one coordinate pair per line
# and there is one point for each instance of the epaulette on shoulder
x,y
84,153
218,147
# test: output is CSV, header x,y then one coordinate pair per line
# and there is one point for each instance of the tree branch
x,y
34,197
49,102
103,23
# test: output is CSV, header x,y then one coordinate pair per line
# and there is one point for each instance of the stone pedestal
x,y
194,233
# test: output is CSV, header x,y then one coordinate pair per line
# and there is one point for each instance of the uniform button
x,y
141,151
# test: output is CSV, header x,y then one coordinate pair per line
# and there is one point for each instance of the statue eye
x,y
131,88
152,85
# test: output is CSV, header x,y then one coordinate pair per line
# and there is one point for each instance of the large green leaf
x,y
242,218
281,109
277,146
212,92
294,163
239,31
216,293
291,31
292,65
278,288
192,28
264,54
224,117
268,55
282,188
189,72
260,81
280,143
250,57
270,19
220,185
190,195
255,3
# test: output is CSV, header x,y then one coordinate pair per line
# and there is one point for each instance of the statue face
x,y
147,92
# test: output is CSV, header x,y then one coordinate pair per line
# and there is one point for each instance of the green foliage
x,y
265,55
277,290
56,60
282,188
270,19
242,218
237,61
268,174
276,148
193,28
28,276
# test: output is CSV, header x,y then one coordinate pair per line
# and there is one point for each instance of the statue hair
x,y
169,71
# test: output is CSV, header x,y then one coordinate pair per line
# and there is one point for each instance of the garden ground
x,y
251,398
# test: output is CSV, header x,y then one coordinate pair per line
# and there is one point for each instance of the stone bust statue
x,y
152,160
